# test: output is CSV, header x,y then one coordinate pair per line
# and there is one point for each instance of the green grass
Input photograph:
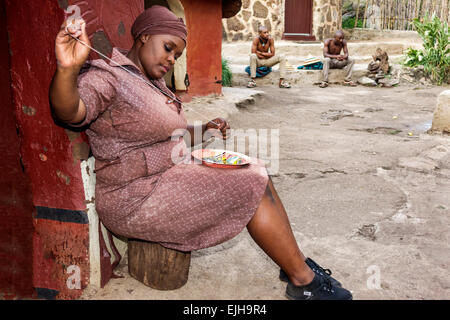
x,y
227,76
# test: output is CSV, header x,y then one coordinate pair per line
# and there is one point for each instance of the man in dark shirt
x,y
333,59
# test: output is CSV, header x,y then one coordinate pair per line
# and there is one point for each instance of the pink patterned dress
x,y
141,192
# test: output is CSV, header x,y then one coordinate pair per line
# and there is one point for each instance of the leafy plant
x,y
435,57
227,76
413,58
350,23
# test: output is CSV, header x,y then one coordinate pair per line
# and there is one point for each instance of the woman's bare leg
x,y
271,230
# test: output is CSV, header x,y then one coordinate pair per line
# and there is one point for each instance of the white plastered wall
x,y
88,176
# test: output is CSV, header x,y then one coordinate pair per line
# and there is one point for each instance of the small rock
x,y
348,15
365,81
408,78
373,109
388,82
336,114
379,75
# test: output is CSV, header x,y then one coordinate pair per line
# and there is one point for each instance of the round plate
x,y
200,154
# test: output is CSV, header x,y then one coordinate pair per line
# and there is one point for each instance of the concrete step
x,y
290,48
295,61
295,77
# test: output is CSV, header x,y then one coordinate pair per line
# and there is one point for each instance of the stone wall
x,y
244,26
327,18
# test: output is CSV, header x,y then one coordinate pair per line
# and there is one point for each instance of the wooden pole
x,y
419,16
397,12
416,13
387,14
447,11
413,13
365,14
394,13
405,9
410,7
416,9
428,8
357,14
390,14
405,14
382,14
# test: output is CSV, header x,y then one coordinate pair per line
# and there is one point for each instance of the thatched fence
x,y
398,14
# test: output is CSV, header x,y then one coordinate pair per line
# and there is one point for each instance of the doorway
x,y
298,20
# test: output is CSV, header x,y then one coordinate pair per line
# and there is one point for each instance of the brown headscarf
x,y
158,20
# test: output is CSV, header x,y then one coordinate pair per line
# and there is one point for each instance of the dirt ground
x,y
367,191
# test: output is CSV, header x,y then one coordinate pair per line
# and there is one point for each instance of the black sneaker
x,y
319,289
317,270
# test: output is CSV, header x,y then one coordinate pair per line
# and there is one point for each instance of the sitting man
x,y
263,54
333,59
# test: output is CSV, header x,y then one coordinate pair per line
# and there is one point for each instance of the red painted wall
x,y
50,154
204,47
16,208
111,18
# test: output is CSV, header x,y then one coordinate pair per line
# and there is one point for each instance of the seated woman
x,y
141,192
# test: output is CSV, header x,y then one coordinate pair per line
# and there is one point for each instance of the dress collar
x,y
120,56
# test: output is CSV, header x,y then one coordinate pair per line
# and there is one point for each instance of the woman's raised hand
x,y
70,53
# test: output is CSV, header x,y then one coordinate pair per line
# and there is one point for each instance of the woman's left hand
x,y
219,124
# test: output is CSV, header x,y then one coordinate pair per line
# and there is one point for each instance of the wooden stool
x,y
156,266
